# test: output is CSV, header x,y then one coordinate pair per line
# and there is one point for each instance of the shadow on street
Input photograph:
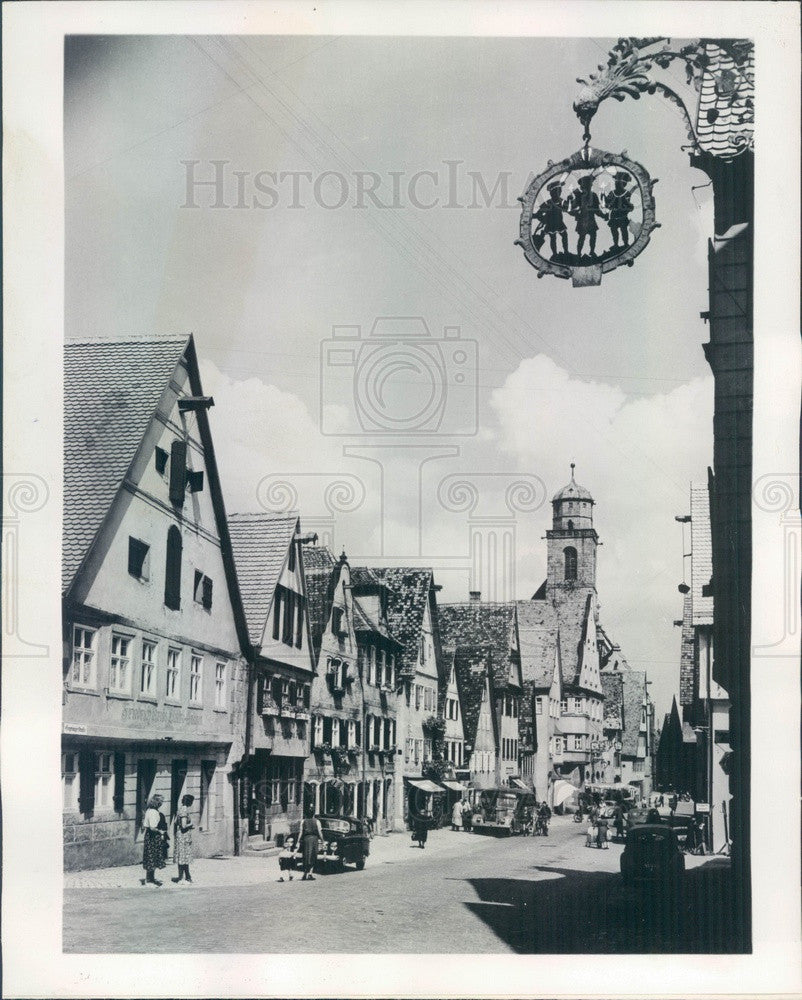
x,y
592,912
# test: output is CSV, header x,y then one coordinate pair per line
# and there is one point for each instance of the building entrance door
x,y
145,777
177,778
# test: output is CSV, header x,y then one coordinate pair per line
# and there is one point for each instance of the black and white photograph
x,y
420,511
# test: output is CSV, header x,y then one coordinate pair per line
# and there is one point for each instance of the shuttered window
x,y
172,575
178,472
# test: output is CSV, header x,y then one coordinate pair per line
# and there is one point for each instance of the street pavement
x,y
464,893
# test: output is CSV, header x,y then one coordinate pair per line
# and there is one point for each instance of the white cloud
x,y
637,457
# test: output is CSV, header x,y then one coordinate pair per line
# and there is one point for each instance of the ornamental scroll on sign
x,y
587,215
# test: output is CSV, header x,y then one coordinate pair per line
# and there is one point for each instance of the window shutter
x,y
172,575
277,613
299,623
307,695
344,733
326,729
195,482
289,599
119,782
260,695
318,737
207,593
357,734
178,472
86,793
351,733
161,460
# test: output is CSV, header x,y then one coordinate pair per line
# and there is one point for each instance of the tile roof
x,y
408,590
111,390
687,657
471,669
634,688
702,555
481,625
317,557
260,543
613,689
318,565
572,613
538,638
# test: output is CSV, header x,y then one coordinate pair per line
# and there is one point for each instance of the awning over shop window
x,y
453,786
517,783
424,785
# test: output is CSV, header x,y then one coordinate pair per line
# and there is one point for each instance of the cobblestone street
x,y
462,894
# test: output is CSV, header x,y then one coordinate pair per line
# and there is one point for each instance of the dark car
x,y
652,859
346,840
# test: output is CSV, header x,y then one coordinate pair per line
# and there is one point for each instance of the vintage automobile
x,y
503,810
345,841
636,817
652,859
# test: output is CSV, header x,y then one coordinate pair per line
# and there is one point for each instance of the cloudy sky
x,y
358,178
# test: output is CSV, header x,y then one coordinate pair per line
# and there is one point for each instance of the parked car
x,y
652,859
636,817
502,811
345,841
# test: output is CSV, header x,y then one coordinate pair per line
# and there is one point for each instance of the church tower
x,y
571,541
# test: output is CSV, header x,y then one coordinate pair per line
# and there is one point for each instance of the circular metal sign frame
x,y
590,273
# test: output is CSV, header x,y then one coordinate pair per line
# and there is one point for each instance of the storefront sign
x,y
73,729
159,718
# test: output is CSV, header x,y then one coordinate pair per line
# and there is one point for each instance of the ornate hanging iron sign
x,y
605,198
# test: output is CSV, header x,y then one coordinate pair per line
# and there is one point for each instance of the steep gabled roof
x,y
260,543
572,615
481,625
409,591
634,690
702,555
319,564
471,667
538,637
613,689
112,388
317,557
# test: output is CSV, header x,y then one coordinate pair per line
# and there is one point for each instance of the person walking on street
x,y
152,848
420,830
467,817
601,834
182,839
311,836
456,815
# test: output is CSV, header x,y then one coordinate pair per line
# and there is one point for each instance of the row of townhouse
x,y
230,657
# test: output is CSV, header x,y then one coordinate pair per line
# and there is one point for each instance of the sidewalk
x,y
254,869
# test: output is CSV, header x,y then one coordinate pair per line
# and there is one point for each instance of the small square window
x,y
138,559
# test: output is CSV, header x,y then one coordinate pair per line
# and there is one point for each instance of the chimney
x,y
475,595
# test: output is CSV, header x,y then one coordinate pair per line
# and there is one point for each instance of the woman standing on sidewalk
x,y
182,838
152,850
311,835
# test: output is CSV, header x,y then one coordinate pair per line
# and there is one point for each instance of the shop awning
x,y
424,785
517,783
453,786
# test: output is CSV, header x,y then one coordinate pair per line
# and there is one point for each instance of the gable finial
x,y
573,466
